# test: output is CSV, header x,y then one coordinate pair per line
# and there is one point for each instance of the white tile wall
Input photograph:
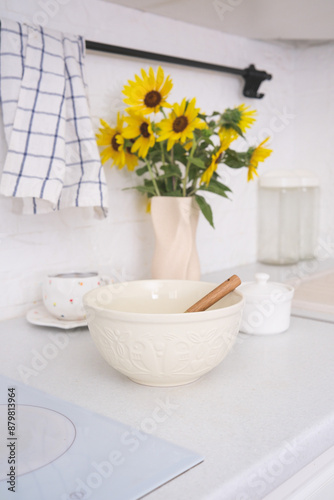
x,y
314,127
123,243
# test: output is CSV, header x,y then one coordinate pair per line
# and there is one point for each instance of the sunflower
x,y
228,133
259,154
225,142
241,117
227,137
149,93
140,130
206,176
247,117
181,123
113,141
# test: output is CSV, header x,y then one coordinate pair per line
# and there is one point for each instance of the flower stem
x,y
163,161
162,153
152,177
193,187
193,147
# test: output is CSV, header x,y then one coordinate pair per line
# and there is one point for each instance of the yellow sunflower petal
x,y
105,125
119,159
105,155
259,154
182,107
247,117
136,145
151,79
207,174
144,74
170,144
103,140
131,161
120,120
120,140
160,77
227,137
166,88
131,132
199,123
251,172
191,111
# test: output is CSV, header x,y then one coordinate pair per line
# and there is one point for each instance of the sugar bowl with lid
x,y
267,307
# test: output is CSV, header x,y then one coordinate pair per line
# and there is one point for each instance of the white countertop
x,y
264,413
292,273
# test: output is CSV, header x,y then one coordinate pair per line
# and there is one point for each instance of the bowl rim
x,y
159,317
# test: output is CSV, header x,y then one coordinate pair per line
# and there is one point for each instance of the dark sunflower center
x,y
152,99
180,123
144,130
219,158
114,142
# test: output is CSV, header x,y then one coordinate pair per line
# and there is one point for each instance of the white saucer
x,y
40,316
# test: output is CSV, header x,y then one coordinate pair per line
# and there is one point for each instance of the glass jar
x,y
288,216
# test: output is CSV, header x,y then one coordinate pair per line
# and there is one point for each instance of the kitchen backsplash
x,y
296,112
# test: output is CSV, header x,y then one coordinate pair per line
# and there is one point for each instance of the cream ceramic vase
x,y
175,222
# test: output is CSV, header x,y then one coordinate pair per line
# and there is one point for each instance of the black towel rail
x,y
253,77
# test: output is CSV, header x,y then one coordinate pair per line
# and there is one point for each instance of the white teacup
x,y
62,293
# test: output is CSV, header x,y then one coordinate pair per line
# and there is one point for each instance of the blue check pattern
x,y
52,160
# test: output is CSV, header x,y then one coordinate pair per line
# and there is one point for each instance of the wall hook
x,y
253,79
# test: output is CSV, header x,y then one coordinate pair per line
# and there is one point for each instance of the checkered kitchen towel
x,y
52,160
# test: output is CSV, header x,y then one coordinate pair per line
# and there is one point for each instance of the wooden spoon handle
x,y
218,293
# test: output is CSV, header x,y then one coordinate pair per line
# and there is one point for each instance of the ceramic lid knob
x,y
262,288
262,278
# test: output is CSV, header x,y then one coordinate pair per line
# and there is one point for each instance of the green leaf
x,y
170,171
229,124
149,190
204,142
215,187
155,157
205,209
193,173
146,189
180,156
175,193
178,150
232,117
235,160
198,162
142,170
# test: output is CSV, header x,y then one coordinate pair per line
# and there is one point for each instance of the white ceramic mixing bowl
x,y
141,330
